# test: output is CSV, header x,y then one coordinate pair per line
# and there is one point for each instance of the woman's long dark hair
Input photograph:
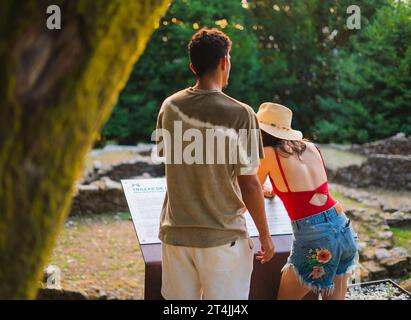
x,y
295,147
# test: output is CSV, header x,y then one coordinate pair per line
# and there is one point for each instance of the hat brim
x,y
291,134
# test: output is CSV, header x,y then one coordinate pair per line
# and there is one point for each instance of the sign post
x,y
145,199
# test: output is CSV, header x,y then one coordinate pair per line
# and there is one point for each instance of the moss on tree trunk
x,y
57,88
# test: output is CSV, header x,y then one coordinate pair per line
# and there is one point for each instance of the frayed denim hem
x,y
326,291
351,267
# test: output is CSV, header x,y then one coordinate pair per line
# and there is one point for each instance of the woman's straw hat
x,y
275,119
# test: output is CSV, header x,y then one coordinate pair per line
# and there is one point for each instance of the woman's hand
x,y
268,192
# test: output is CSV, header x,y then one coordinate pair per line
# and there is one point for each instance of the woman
x,y
325,246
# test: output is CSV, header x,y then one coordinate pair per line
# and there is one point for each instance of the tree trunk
x,y
57,88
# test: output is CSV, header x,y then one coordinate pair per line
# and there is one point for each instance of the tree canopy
x,y
297,53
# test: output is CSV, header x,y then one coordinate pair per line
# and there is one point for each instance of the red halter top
x,y
298,203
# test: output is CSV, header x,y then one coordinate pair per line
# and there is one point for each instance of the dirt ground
x,y
100,255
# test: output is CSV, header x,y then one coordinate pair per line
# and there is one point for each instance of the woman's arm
x,y
263,173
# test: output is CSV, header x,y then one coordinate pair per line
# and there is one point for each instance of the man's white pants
x,y
217,273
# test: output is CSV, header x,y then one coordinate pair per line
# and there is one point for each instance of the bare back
x,y
302,173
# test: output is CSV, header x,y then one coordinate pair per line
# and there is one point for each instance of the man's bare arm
x,y
254,200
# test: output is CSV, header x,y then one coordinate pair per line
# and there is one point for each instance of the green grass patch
x,y
402,237
102,217
406,277
335,159
347,202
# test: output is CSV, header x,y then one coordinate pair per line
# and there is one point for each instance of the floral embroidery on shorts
x,y
323,256
317,263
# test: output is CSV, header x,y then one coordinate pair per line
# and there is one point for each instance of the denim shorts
x,y
325,245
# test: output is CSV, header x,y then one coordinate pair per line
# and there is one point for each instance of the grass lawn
x,y
346,202
402,237
108,158
335,159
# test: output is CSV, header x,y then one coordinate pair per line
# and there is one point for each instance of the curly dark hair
x,y
206,48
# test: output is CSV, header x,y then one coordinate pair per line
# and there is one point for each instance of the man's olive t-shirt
x,y
203,206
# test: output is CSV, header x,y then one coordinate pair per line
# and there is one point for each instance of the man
x,y
206,250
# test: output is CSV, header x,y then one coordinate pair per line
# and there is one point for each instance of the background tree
x,y
57,87
163,69
286,51
370,97
297,42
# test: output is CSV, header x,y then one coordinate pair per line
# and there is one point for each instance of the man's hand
x,y
254,200
267,249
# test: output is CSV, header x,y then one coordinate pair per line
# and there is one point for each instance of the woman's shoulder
x,y
269,152
310,145
268,149
314,149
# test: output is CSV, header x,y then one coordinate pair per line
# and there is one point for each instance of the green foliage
x,y
298,41
343,85
402,237
370,97
163,69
